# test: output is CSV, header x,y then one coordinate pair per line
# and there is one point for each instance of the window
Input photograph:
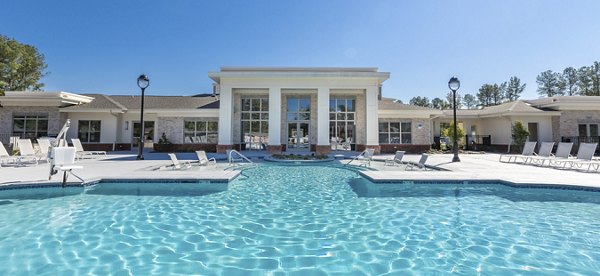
x,y
200,132
255,123
341,123
30,126
89,131
298,109
395,132
588,133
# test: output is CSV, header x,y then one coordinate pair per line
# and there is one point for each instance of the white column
x,y
225,116
372,118
323,116
274,116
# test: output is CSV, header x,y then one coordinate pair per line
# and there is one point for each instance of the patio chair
x,y
203,160
528,150
81,152
585,154
44,145
420,164
544,152
63,159
179,165
364,157
26,150
5,157
397,160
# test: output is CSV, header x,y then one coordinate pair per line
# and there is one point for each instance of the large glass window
x,y
30,126
298,109
200,132
395,132
255,123
342,111
89,131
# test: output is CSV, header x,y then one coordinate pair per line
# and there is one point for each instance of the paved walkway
x,y
473,167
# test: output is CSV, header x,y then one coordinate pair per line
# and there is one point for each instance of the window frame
x,y
89,131
27,120
391,134
208,128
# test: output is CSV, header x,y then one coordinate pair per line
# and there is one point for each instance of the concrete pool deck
x,y
472,167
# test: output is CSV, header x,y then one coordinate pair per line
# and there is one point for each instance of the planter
x,y
164,147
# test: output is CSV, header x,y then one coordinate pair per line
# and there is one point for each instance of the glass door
x,y
298,136
148,134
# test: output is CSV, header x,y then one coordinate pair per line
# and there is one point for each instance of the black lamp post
x,y
454,84
142,82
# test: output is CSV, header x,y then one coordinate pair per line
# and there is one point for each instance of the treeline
x,y
584,81
488,95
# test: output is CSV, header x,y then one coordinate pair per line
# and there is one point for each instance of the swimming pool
x,y
308,220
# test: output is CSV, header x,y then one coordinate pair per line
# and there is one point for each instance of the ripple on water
x,y
311,220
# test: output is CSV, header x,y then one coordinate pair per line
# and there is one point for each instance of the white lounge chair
x,y
44,146
81,152
203,160
528,150
364,157
397,160
179,165
63,159
563,152
26,150
420,164
585,154
5,157
544,152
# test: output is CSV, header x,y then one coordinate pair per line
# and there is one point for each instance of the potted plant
x,y
164,145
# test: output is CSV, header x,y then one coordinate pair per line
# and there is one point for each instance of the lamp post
x,y
142,82
454,84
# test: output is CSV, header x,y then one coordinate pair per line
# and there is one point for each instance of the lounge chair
x,y
63,159
528,150
179,165
44,145
544,152
420,164
585,154
5,157
364,157
397,160
81,152
26,150
563,152
203,160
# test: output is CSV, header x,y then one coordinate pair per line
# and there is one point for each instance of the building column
x,y
372,118
225,119
274,145
323,145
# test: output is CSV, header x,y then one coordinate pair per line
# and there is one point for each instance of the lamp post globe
x,y
142,82
454,84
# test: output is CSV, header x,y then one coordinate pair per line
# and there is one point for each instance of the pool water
x,y
309,220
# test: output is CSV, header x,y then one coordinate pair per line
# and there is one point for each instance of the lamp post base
x,y
141,157
455,159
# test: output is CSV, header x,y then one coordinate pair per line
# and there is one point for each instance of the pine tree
x,y
420,101
514,89
549,84
570,79
470,101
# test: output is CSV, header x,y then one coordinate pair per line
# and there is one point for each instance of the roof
x,y
567,103
391,104
42,98
299,72
506,109
150,102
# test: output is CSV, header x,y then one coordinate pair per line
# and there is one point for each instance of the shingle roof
x,y
150,102
391,104
505,108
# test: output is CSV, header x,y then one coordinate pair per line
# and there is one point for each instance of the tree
x,y
449,100
549,84
584,81
519,134
420,101
21,66
498,93
449,132
514,89
484,96
595,77
438,103
570,79
470,101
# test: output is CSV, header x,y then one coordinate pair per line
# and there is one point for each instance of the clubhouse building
x,y
287,109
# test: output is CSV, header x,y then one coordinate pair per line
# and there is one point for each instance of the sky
x,y
103,46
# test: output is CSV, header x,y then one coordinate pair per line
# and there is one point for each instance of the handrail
x,y
231,160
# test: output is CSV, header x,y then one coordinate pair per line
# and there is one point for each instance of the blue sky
x,y
102,46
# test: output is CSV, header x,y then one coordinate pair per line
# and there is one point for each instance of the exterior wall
x,y
544,126
55,119
172,127
108,125
129,119
569,121
419,136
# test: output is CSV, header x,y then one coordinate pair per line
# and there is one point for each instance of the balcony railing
x,y
580,139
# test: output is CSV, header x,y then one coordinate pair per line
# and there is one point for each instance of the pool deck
x,y
472,167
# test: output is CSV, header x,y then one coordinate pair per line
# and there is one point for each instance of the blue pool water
x,y
302,220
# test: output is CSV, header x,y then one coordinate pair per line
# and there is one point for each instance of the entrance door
x,y
298,136
533,131
148,134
